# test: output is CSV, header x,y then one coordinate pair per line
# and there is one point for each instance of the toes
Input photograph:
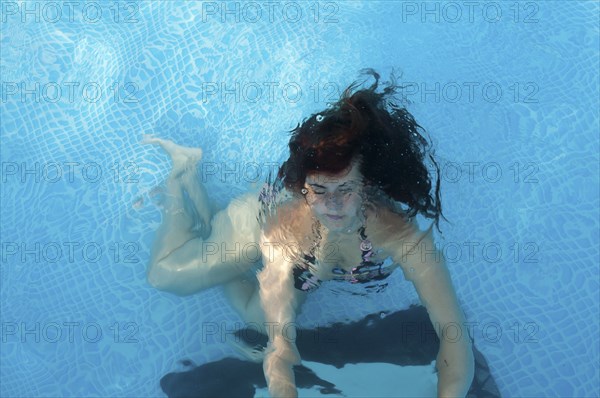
x,y
182,157
147,139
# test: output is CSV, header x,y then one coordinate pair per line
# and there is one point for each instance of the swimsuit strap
x,y
361,231
366,265
365,244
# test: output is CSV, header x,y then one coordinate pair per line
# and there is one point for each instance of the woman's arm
x,y
425,266
280,301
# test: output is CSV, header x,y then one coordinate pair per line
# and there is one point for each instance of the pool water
x,y
508,92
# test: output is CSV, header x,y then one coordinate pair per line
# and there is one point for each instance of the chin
x,y
335,228
334,225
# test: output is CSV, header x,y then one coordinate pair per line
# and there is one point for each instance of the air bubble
x,y
320,118
412,269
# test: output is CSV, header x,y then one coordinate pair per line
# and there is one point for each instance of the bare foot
x,y
183,158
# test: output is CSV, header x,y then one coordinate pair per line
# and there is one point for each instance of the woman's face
x,y
335,199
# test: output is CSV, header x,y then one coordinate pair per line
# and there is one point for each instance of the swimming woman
x,y
341,210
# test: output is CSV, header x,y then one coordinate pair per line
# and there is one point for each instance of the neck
x,y
344,233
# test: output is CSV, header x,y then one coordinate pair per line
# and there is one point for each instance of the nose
x,y
333,201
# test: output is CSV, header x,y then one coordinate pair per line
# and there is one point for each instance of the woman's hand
x,y
278,368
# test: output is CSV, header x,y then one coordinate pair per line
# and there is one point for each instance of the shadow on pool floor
x,y
404,338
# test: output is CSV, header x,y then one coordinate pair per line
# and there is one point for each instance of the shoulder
x,y
400,236
389,226
291,220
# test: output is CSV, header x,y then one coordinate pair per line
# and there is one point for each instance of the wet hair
x,y
385,137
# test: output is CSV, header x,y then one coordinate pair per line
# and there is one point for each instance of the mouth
x,y
332,217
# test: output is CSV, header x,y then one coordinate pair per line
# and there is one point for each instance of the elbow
x,y
470,369
466,370
469,364
456,369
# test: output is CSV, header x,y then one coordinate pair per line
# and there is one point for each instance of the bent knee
x,y
159,278
167,280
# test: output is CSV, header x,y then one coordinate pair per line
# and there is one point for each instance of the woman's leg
x,y
245,299
178,225
243,295
196,250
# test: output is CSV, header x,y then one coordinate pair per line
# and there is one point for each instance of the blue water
x,y
510,101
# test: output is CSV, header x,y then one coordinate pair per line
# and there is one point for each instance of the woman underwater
x,y
343,201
